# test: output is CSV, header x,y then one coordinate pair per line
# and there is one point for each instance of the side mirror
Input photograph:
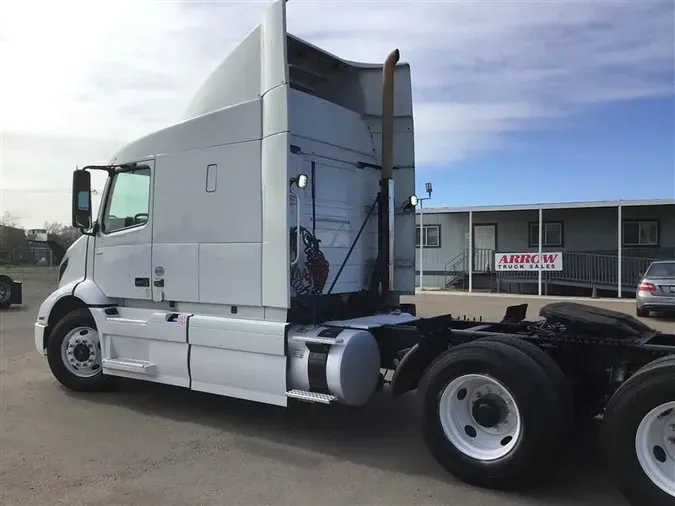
x,y
81,199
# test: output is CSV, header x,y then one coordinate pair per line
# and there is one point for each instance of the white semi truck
x,y
259,248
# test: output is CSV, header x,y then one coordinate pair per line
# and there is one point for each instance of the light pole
x,y
421,200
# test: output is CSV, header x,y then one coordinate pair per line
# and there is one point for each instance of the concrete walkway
x,y
491,307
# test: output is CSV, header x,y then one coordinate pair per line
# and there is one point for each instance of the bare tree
x,y
62,234
54,228
9,220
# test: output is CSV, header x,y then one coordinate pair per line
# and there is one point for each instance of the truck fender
x,y
91,294
413,364
71,296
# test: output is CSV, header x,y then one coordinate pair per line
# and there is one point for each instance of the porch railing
x,y
583,268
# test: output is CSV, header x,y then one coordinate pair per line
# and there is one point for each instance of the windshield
x,y
662,270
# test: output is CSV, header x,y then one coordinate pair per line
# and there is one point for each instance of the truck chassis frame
x,y
596,360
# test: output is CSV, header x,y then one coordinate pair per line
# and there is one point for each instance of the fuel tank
x,y
331,360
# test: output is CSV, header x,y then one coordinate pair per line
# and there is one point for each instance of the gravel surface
x,y
150,444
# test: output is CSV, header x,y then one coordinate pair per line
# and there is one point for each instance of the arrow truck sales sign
x,y
528,262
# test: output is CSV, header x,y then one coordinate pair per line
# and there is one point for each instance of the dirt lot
x,y
149,444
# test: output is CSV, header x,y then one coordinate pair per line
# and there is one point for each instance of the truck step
x,y
311,396
129,365
319,340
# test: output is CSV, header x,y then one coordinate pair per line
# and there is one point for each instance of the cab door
x,y
122,253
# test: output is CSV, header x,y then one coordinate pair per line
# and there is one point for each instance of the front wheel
x,y
74,352
492,417
639,435
6,284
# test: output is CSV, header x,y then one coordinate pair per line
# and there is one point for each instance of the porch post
x,y
541,239
619,243
421,244
470,252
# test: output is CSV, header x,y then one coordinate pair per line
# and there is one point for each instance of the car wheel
x,y
642,313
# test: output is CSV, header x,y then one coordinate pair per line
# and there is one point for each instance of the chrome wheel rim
x,y
81,352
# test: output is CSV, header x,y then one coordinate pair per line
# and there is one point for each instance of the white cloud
x,y
85,77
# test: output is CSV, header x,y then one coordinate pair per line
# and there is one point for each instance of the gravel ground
x,y
150,444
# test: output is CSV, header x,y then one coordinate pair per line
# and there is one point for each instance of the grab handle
x,y
297,228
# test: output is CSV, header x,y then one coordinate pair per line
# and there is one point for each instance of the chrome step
x,y
311,396
129,365
318,340
122,319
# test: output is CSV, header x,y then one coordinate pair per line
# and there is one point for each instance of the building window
x,y
553,234
640,233
432,236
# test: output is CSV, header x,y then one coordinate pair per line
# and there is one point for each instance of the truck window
x,y
129,201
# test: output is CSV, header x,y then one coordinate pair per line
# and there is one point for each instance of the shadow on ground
x,y
385,435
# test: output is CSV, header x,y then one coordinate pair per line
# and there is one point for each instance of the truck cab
x,y
260,220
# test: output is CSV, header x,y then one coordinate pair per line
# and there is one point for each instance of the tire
x,y
552,371
659,362
526,458
6,284
649,392
56,356
642,313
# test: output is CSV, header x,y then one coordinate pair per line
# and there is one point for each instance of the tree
x,y
54,228
9,220
62,234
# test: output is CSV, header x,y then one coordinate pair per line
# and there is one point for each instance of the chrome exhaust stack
x,y
387,208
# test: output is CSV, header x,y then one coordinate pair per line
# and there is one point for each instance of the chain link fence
x,y
27,257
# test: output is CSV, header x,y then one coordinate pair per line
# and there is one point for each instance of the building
x,y
606,244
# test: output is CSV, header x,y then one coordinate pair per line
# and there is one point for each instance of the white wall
x,y
585,230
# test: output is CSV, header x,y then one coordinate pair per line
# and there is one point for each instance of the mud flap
x,y
16,297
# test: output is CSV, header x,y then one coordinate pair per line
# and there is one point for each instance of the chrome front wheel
x,y
81,352
74,352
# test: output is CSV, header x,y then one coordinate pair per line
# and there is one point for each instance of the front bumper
x,y
40,337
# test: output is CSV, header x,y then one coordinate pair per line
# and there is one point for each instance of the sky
x,y
514,102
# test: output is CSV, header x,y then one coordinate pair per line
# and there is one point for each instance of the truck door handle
x,y
142,281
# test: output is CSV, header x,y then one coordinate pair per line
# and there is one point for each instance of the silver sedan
x,y
656,290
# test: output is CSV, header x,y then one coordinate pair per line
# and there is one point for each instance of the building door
x,y
484,245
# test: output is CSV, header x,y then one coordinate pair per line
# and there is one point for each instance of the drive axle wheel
x,y
74,352
639,435
550,367
480,417
491,415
